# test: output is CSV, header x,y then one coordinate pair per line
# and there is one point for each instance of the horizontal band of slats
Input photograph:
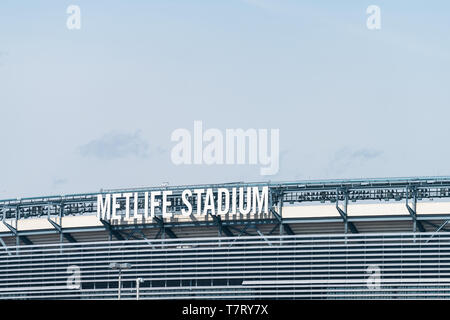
x,y
412,266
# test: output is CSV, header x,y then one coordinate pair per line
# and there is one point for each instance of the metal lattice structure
x,y
338,192
286,267
320,239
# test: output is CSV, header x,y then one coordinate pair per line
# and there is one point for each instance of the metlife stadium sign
x,y
195,201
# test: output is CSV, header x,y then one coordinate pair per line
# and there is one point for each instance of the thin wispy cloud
x,y
365,154
116,145
59,182
346,159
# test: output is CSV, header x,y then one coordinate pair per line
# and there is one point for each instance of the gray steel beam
x,y
221,227
275,214
284,227
343,213
274,228
69,237
287,229
165,228
130,235
262,235
158,234
244,230
5,246
438,229
434,225
240,231
111,230
66,235
23,238
145,238
413,211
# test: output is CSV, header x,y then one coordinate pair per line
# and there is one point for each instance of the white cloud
x,y
116,145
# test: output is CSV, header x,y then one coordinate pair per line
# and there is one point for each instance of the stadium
x,y
318,239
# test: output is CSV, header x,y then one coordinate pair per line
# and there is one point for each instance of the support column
x,y
413,211
343,212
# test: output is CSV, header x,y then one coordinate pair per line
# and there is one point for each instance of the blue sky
x,y
94,108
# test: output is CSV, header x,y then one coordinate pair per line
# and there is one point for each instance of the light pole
x,y
119,266
138,281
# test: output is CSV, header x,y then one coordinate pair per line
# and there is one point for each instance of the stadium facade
x,y
331,239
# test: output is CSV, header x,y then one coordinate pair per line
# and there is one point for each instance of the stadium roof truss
x,y
341,194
